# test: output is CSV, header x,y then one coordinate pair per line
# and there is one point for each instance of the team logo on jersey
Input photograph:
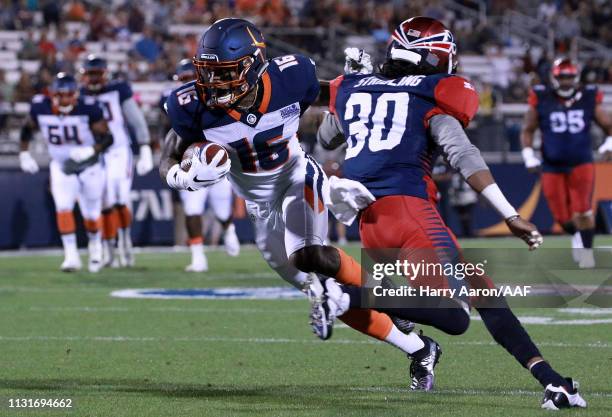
x,y
227,293
251,119
290,111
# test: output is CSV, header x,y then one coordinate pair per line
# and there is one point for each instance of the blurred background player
x,y
219,196
564,112
120,110
76,134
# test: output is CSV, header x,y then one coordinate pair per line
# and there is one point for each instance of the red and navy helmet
x,y
426,44
64,92
565,77
185,71
94,72
230,60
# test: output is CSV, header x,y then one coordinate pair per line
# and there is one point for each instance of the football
x,y
208,150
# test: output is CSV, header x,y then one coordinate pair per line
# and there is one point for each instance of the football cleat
x,y
587,259
423,363
230,241
199,264
71,263
320,320
556,398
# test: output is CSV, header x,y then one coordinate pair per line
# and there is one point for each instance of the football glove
x,y
200,175
531,161
27,163
347,198
145,160
606,147
82,153
357,61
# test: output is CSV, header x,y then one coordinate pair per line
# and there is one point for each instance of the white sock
x,y
94,236
70,244
197,252
408,343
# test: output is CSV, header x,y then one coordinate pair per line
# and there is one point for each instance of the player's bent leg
x,y
64,189
193,207
110,223
124,237
221,200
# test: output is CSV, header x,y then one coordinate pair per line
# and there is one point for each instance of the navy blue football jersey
x,y
385,122
262,143
63,132
111,96
565,126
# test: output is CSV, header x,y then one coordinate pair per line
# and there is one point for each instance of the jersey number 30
x,y
387,121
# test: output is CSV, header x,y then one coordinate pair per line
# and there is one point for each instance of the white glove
x,y
357,61
347,198
145,160
82,153
200,175
27,163
531,161
606,146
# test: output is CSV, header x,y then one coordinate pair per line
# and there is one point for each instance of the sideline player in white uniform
x,y
120,110
252,108
219,197
76,134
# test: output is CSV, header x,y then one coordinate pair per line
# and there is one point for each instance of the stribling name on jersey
x,y
411,80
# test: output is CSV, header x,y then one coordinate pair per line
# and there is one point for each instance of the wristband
x,y
496,198
528,153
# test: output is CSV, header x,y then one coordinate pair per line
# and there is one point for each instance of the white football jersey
x,y
65,132
110,98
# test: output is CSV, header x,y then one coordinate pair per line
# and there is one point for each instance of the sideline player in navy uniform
x,y
218,196
76,135
396,122
252,106
120,110
564,113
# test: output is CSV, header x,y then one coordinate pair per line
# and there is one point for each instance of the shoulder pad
x,y
457,97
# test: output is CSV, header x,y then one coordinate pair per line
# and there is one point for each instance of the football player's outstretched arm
x,y
530,125
603,119
463,156
135,118
26,161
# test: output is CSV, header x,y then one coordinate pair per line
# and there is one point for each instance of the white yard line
x,y
469,392
242,340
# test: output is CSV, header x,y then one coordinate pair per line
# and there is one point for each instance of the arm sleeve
x,y
457,149
136,120
330,134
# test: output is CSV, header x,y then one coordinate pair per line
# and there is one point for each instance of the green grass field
x,y
64,336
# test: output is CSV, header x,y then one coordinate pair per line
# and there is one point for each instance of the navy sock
x,y
506,330
587,236
545,374
569,227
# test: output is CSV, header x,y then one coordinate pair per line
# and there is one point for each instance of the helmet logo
x,y
413,32
255,42
209,57
251,119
